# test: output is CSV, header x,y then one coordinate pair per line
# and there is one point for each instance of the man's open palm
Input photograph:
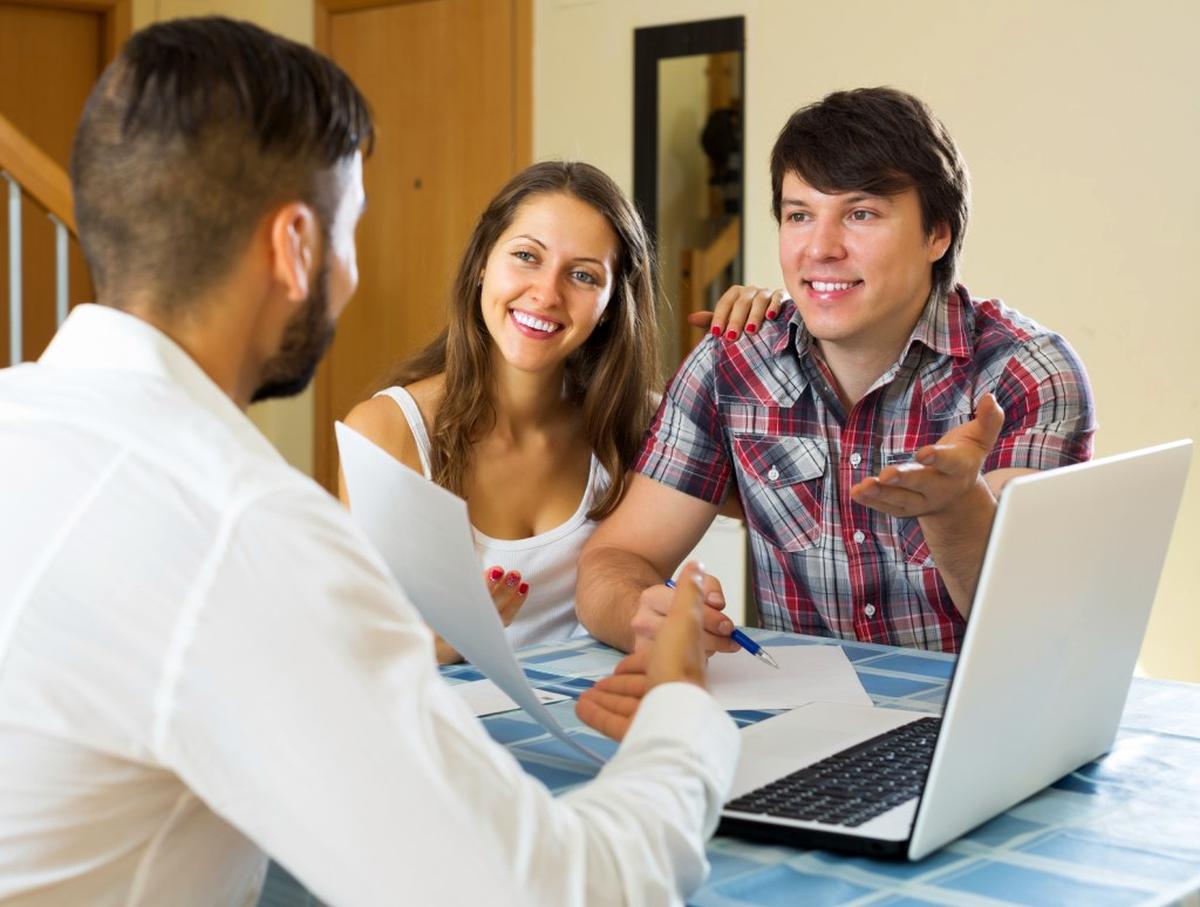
x,y
940,474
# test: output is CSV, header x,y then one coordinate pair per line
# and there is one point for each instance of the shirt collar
x,y
944,326
796,334
96,337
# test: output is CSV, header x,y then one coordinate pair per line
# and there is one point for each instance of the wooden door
x,y
449,84
51,54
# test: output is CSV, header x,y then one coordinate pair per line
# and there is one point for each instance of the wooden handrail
x,y
700,268
36,172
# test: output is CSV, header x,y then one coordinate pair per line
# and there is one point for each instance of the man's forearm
x,y
607,590
957,539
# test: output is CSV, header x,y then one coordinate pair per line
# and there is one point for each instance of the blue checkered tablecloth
x,y
1122,830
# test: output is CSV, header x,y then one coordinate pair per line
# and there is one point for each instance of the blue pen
x,y
743,640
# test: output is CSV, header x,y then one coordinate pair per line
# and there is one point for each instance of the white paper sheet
x,y
483,697
812,673
424,533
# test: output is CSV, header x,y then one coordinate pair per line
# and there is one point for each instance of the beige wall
x,y
1081,125
288,423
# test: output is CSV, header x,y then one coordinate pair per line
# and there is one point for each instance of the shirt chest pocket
x,y
782,481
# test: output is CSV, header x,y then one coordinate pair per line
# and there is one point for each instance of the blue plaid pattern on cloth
x,y
1123,830
762,411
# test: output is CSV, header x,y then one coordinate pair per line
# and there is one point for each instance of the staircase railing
x,y
29,171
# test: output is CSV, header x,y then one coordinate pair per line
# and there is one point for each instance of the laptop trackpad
x,y
787,743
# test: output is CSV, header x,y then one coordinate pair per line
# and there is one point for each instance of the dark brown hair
x,y
188,139
881,141
609,377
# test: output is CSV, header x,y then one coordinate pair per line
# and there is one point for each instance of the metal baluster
x,y
61,276
14,269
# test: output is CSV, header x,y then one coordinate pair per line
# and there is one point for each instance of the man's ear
x,y
294,237
939,241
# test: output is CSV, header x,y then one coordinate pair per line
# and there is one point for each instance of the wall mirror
x,y
687,180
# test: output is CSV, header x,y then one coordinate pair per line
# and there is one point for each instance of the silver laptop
x,y
1067,583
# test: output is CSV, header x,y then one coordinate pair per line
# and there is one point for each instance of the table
x,y
1122,830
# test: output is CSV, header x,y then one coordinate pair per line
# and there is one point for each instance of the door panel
x,y
448,85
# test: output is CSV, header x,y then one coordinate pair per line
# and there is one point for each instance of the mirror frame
x,y
684,39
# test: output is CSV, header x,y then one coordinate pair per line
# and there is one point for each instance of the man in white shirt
x,y
201,658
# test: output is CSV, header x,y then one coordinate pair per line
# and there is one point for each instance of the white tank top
x,y
546,561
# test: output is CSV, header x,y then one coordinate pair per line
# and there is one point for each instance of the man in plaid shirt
x,y
872,421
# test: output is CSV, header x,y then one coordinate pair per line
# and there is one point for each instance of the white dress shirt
x,y
202,659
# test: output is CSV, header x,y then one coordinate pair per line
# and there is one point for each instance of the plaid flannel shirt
x,y
763,412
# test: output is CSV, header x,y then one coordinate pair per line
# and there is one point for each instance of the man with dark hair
x,y
201,657
869,427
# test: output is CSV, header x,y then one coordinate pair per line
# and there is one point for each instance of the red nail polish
x,y
751,328
523,588
495,574
772,315
511,580
731,335
716,331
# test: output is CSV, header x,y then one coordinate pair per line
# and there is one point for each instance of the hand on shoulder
x,y
739,309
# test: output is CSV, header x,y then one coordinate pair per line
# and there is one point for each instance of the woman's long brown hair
x,y
609,377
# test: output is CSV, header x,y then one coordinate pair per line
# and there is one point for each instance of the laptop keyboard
x,y
855,785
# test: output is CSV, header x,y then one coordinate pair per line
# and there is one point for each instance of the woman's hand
x,y
508,591
739,308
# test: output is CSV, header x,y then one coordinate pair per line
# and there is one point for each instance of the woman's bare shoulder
x,y
380,420
428,393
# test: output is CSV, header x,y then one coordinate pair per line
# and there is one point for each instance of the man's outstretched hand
x,y
941,475
677,654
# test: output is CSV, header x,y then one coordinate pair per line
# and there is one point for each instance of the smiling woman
x,y
549,279
532,402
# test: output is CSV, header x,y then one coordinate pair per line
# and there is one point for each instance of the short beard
x,y
305,338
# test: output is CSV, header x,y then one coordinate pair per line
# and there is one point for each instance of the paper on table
x,y
424,534
813,673
483,697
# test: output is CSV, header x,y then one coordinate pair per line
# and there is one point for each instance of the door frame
x,y
324,454
661,42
